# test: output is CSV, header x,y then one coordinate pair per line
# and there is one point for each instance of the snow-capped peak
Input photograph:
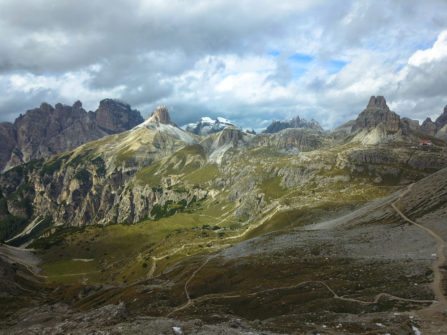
x,y
207,125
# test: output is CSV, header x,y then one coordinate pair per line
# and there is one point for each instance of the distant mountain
x,y
437,128
207,125
47,130
377,113
296,122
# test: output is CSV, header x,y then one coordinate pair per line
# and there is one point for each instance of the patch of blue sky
x,y
274,53
301,58
298,71
299,64
334,66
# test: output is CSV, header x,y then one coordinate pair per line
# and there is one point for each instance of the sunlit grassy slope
x,y
125,253
122,253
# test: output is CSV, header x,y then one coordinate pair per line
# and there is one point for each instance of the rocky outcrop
x,y
428,127
436,128
441,125
442,133
295,139
47,130
160,115
441,121
377,113
296,122
408,125
230,136
115,116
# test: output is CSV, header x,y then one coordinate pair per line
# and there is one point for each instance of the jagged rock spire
x,y
377,113
160,115
378,102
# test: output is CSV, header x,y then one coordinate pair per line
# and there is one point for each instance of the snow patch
x,y
177,330
416,331
223,120
206,119
207,125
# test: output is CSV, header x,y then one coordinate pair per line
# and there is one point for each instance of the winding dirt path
x,y
438,291
155,259
440,301
203,298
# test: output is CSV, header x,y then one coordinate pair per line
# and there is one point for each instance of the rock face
x,y
7,142
115,116
297,139
296,122
410,125
48,130
377,113
436,128
428,127
441,121
161,115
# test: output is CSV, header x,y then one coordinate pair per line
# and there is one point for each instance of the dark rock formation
x,y
428,127
408,125
115,116
230,136
300,139
47,130
377,113
441,121
296,122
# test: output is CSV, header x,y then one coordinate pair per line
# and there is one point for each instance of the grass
x,y
202,175
187,161
122,253
149,176
272,189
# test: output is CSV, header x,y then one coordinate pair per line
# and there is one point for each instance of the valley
x,y
219,230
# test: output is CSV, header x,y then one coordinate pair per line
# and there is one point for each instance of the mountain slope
x,y
157,169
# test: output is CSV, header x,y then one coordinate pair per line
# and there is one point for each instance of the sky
x,y
251,61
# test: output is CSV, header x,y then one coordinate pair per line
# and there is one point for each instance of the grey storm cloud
x,y
249,60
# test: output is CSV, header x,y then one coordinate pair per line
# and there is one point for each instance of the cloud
x,y
250,61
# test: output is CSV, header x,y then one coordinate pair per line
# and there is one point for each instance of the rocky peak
x,y
77,105
378,102
441,121
296,122
377,113
160,115
116,116
207,125
428,127
46,130
409,125
230,136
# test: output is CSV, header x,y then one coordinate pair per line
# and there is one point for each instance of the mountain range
x,y
47,130
150,226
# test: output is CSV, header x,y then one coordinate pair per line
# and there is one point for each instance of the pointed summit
x,y
378,102
441,121
160,115
377,113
